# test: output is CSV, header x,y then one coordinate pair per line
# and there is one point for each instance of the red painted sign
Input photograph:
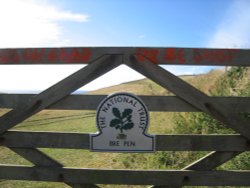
x,y
176,56
219,56
35,56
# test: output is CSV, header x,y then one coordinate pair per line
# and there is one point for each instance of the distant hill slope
x,y
204,82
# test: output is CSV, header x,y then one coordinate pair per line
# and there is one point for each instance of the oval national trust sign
x,y
122,120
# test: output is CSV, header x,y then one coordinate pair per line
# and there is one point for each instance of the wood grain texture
x,y
128,177
168,56
153,103
163,142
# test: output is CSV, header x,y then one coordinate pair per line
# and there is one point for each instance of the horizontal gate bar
x,y
82,55
128,177
154,103
19,139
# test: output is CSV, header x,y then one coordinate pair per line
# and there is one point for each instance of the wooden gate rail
x,y
129,177
163,142
154,103
144,61
163,56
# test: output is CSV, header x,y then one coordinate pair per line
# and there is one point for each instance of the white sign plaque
x,y
122,120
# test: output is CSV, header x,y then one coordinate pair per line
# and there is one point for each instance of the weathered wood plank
x,y
82,55
154,103
129,177
163,142
193,96
58,91
45,140
201,143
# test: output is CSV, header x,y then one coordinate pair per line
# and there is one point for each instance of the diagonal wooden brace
x,y
50,96
59,91
193,96
200,101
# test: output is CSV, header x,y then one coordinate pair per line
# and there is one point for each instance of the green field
x,y
160,123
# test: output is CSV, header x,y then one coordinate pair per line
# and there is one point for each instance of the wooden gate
x,y
145,61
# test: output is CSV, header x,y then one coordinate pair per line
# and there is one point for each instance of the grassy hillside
x,y
212,83
204,82
234,82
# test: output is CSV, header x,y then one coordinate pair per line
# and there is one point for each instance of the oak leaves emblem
x,y
122,121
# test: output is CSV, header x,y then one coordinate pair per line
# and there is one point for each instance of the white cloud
x,y
33,77
28,23
234,29
33,23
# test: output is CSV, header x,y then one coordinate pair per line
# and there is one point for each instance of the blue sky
x,y
150,23
161,23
